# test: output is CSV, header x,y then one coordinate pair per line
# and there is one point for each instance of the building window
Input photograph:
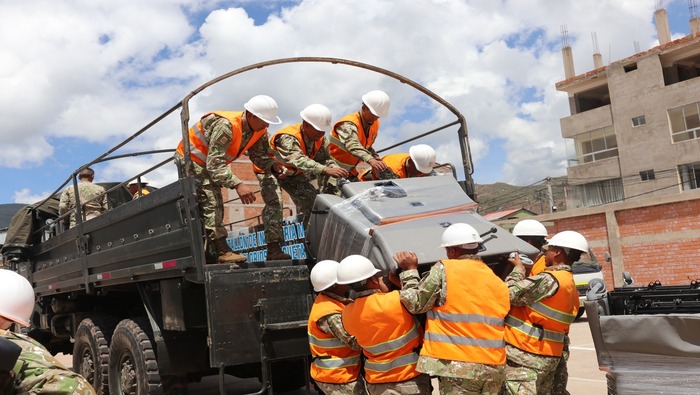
x,y
638,121
685,122
630,67
689,175
647,175
592,146
597,193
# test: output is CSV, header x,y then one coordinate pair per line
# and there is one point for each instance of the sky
x,y
80,76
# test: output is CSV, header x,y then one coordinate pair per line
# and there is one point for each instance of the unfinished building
x,y
634,128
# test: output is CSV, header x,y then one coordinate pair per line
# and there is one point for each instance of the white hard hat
x,y
378,102
569,239
461,235
423,157
324,275
355,268
263,107
318,116
529,227
16,297
136,181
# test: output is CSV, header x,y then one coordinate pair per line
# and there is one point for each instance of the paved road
x,y
584,376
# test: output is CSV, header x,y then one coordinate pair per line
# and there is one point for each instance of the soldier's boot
x,y
275,253
224,254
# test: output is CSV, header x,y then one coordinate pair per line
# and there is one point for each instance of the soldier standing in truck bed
x,y
219,138
88,193
352,137
303,150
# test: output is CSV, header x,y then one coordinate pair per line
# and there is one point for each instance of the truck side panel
x,y
145,239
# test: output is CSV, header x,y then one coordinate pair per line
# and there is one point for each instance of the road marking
x,y
582,348
592,380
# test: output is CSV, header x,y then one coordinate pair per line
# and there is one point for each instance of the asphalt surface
x,y
584,376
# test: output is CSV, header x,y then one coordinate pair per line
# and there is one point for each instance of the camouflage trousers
x,y
537,377
417,385
561,373
211,204
353,388
460,386
299,189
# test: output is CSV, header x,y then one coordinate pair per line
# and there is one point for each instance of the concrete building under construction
x,y
634,128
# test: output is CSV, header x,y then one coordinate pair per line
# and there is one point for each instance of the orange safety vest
x,y
337,149
333,362
541,327
389,336
199,147
294,131
395,162
470,325
539,266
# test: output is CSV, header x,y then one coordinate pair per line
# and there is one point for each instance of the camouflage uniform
x,y
218,174
529,373
38,372
299,188
418,385
455,377
347,133
91,207
333,324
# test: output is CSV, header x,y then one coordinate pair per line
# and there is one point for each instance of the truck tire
x,y
91,351
133,368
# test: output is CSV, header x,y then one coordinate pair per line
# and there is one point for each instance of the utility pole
x,y
549,194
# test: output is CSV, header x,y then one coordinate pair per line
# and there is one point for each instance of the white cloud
x,y
25,196
99,71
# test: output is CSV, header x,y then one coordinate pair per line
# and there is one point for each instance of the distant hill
x,y
501,196
7,211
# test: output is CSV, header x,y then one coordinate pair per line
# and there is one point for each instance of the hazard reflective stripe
x,y
394,344
464,341
335,363
471,318
534,332
335,141
200,135
325,343
403,360
553,314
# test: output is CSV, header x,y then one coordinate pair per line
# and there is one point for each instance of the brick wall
x,y
653,239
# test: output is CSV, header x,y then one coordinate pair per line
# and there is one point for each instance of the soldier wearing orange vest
x,y
216,140
543,307
352,137
389,335
303,150
466,304
418,162
336,355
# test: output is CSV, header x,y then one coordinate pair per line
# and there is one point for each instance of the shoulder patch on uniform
x,y
223,140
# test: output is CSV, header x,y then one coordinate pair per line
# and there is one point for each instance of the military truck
x,y
647,338
131,296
